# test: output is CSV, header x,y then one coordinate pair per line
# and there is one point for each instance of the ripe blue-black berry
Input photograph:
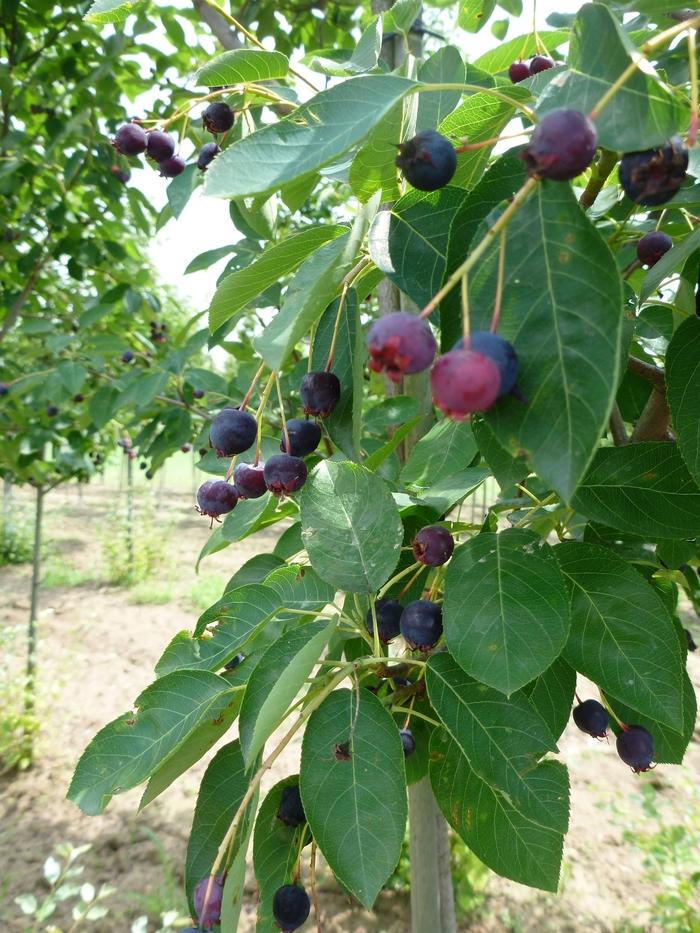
x,y
421,624
540,63
433,545
215,497
408,741
78,397
130,139
689,638
207,154
249,480
464,381
198,393
159,145
291,809
234,662
400,344
232,431
51,411
636,748
121,174
428,161
592,717
284,474
218,118
652,247
290,907
388,619
4,388
170,168
320,392
653,176
500,351
562,146
127,356
518,71
212,914
304,437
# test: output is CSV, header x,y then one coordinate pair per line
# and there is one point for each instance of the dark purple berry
x,y
518,71
130,139
4,388
540,63
234,662
207,154
78,397
388,619
498,350
652,177
464,381
148,474
636,748
433,545
232,431
186,448
421,624
218,118
249,480
170,168
652,247
320,392
198,393
291,809
400,344
290,907
212,913
428,161
284,474
121,174
408,741
562,146
304,437
127,356
592,717
691,643
52,411
215,497
159,145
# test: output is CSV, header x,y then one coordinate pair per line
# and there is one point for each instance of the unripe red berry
x,y
463,382
518,71
400,344
540,63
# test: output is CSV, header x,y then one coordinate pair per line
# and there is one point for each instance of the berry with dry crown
x,y
400,344
232,431
320,393
218,118
562,146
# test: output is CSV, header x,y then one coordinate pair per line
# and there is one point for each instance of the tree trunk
x,y
30,683
6,497
130,517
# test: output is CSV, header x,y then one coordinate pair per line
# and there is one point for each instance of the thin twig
x,y
617,427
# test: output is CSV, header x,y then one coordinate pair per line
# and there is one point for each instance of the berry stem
x,y
376,647
496,317
466,322
312,885
259,414
518,200
399,576
284,420
471,147
412,581
538,44
599,175
604,701
477,89
692,136
336,327
413,712
246,397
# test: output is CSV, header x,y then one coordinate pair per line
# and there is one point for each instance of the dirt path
x,y
97,652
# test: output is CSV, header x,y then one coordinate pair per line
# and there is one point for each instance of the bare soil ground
x,y
97,653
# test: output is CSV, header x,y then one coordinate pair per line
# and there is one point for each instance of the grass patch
x,y
65,574
149,593
205,591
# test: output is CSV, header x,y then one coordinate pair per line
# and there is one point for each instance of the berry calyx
x,y
304,437
159,145
388,619
290,907
249,480
433,545
216,497
320,393
170,168
218,118
284,474
421,624
127,356
592,717
232,431
653,176
291,809
636,748
652,247
408,741
130,139
500,351
562,146
428,161
464,381
207,154
212,914
518,71
400,344
540,63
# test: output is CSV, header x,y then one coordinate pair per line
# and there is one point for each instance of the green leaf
x,y
243,66
447,492
240,287
408,242
208,258
397,409
180,189
512,844
103,405
644,489
250,515
552,695
111,11
353,787
278,677
234,886
507,469
72,375
443,67
374,165
622,637
503,739
447,449
683,391
317,132
642,113
506,608
505,53
382,453
402,15
364,56
136,744
669,262
350,526
254,570
562,311
473,14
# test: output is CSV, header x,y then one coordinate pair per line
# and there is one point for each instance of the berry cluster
x,y
520,70
635,744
